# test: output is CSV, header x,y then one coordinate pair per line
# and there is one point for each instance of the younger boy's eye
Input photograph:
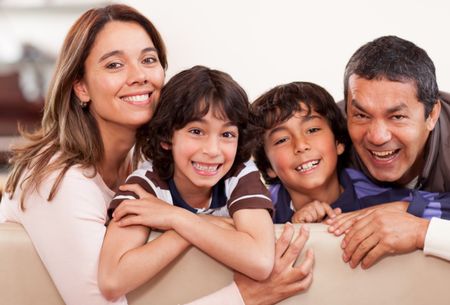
x,y
312,130
280,141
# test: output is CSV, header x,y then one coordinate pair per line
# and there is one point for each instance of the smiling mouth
x,y
307,166
136,99
384,155
209,169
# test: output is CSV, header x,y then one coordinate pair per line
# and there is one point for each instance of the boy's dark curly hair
x,y
281,103
187,97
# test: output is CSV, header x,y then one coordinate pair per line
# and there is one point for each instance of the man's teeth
x,y
307,166
203,167
136,98
383,154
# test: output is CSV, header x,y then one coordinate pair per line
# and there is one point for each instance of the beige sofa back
x,y
404,279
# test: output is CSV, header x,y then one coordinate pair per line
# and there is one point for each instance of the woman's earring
x,y
84,105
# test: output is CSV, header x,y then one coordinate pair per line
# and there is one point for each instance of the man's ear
x,y
271,173
340,148
81,91
434,115
166,145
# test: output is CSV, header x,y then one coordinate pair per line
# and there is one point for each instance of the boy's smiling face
x,y
203,151
303,152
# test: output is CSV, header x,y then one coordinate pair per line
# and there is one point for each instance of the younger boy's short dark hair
x,y
281,103
188,96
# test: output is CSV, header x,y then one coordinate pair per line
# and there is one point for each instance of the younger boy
x,y
302,155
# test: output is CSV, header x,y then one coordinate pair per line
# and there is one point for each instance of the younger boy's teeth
x,y
307,166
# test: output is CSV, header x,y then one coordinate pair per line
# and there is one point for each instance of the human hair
x,y
188,96
69,134
399,60
280,103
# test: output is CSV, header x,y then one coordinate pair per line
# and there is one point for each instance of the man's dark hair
x,y
281,103
395,59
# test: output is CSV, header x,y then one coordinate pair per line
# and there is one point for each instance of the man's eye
x,y
359,116
399,117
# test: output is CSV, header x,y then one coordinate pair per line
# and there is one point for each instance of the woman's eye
x,y
149,60
114,65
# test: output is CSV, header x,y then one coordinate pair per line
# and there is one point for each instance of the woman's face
x,y
123,78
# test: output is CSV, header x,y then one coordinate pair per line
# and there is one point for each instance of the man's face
x,y
388,128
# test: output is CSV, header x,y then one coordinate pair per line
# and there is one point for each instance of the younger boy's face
x,y
303,152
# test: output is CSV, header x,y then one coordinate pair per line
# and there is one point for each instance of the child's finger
x,y
135,188
131,220
337,211
318,211
125,208
328,210
311,216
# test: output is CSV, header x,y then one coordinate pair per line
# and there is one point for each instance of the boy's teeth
x,y
202,167
136,98
307,166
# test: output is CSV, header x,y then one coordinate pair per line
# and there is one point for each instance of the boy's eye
x,y
229,134
312,130
114,65
195,131
280,141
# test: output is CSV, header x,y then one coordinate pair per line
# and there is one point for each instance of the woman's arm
x,y
249,249
68,233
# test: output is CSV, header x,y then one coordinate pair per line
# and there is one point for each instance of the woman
x,y
106,84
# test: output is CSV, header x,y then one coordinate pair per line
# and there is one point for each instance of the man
x,y
400,127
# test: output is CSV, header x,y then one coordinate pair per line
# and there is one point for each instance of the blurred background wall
x,y
261,43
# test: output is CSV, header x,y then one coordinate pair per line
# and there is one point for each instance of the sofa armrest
x,y
404,279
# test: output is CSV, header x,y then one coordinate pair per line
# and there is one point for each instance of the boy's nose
x,y
211,146
301,146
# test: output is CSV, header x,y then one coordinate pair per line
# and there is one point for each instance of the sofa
x,y
404,279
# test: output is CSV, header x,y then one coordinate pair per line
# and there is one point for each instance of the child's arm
x,y
314,211
127,260
249,249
